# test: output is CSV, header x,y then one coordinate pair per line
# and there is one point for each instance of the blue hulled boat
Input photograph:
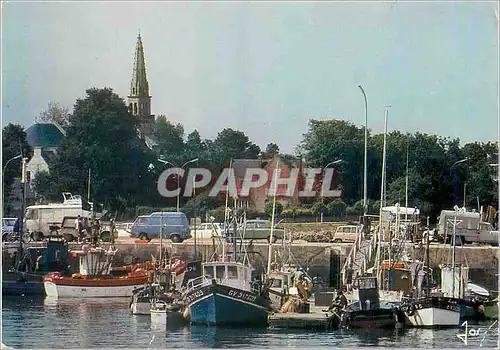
x,y
226,296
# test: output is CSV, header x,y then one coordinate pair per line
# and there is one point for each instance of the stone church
x,y
139,99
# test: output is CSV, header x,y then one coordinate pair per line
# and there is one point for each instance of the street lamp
x,y
466,159
322,198
365,192
178,177
3,174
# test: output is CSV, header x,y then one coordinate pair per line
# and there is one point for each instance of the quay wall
x,y
323,260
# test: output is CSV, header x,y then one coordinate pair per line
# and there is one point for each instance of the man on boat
x,y
339,303
349,272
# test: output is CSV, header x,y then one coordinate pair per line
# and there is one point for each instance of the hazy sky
x,y
264,68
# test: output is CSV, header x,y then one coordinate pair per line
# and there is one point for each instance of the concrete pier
x,y
315,319
323,260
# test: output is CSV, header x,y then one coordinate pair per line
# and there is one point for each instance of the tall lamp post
x,y
3,175
365,171
456,180
178,177
338,161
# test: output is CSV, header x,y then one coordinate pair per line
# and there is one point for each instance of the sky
x,y
265,68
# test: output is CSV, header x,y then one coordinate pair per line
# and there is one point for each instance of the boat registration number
x,y
193,296
242,296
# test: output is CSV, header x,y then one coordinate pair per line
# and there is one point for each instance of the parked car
x,y
173,225
346,233
208,230
261,229
7,226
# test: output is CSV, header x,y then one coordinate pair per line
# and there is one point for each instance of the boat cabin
x,y
234,274
368,293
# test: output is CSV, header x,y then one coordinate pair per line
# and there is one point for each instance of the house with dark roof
x,y
45,139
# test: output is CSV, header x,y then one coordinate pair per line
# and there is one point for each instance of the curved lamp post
x,y
365,191
3,173
178,177
338,161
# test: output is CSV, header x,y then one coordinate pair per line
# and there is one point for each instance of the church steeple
x,y
139,86
139,100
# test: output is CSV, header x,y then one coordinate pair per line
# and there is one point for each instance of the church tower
x,y
139,100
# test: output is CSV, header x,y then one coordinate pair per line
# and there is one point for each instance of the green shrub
x,y
337,208
317,207
269,208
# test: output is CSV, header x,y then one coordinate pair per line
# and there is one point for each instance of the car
x,y
260,229
208,230
347,233
174,225
8,226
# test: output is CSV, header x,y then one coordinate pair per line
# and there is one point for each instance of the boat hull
x,y
377,318
60,290
23,288
215,304
433,312
140,308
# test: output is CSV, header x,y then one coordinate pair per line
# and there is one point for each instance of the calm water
x,y
37,323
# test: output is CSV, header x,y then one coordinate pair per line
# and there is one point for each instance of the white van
x,y
468,227
38,218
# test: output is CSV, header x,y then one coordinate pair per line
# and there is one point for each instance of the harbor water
x,y
37,323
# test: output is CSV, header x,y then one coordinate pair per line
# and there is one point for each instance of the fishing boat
x,y
32,263
432,311
166,281
367,311
94,278
229,291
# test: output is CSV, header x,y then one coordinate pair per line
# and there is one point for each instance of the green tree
x,y
337,208
231,143
330,140
45,186
170,139
14,143
272,150
102,137
55,113
268,208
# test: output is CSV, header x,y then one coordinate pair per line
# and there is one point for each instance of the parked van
x,y
38,218
174,226
347,233
468,228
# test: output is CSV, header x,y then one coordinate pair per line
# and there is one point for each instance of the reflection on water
x,y
97,323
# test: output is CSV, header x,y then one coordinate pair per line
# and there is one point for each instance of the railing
x,y
195,282
368,258
351,257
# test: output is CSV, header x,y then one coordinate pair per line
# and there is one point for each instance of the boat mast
x,y
453,254
406,189
270,252
427,260
226,215
382,190
88,188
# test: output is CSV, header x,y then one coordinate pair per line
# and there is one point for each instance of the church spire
x,y
139,86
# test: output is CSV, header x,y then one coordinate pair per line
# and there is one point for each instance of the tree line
x,y
101,136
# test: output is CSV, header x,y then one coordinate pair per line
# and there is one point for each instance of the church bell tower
x,y
139,100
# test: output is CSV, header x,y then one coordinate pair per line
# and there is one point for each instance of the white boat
x,y
158,312
433,312
141,302
95,279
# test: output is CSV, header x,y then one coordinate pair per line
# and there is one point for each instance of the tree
x,y
169,138
45,185
13,143
330,140
55,113
272,150
231,143
337,208
102,136
194,147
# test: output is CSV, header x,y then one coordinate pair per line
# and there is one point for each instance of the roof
x,y
240,166
44,135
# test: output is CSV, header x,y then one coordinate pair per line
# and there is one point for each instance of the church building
x,y
139,100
